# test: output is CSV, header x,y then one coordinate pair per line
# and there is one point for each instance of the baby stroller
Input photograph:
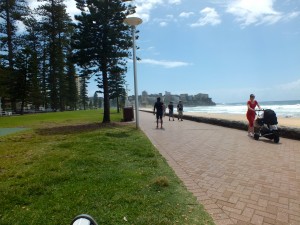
x,y
266,125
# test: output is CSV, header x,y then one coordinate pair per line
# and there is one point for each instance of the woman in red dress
x,y
251,104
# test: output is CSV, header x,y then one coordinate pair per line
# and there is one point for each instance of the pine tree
x,y
101,38
55,23
83,98
21,77
95,100
26,81
116,85
32,39
4,86
45,68
10,13
71,93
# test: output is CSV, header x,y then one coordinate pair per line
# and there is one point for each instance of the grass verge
x,y
60,169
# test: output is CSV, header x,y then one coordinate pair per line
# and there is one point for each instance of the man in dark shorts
x,y
159,108
171,110
180,110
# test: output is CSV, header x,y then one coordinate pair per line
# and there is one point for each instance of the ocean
x,y
281,108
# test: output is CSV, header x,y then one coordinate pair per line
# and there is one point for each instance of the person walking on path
x,y
251,104
159,108
171,110
180,110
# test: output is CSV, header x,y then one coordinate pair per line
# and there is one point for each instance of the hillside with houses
x,y
200,99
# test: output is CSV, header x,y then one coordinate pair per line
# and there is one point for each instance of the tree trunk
x,y
9,36
44,79
22,106
106,116
106,102
118,105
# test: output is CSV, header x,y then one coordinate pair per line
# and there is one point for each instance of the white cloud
x,y
163,24
186,14
144,8
165,21
20,27
151,50
283,91
278,92
209,16
33,4
254,12
291,86
170,16
71,6
164,63
291,16
175,2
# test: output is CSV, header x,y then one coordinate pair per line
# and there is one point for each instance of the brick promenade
x,y
237,179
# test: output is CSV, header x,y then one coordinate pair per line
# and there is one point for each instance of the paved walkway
x,y
237,179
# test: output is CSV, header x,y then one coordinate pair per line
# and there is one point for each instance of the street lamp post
x,y
133,22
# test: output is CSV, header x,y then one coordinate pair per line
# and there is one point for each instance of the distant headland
x,y
188,100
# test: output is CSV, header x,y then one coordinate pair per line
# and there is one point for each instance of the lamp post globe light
x,y
133,22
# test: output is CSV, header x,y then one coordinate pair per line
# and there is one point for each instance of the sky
x,y
225,48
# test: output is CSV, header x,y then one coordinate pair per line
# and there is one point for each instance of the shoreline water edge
x,y
289,127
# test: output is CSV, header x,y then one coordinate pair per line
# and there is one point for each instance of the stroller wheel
x,y
276,139
256,136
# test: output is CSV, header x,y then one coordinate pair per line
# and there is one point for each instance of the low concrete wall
x,y
286,132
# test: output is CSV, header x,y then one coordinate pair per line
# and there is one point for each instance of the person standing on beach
x,y
251,104
180,110
159,108
171,110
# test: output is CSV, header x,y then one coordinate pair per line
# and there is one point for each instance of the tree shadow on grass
x,y
74,129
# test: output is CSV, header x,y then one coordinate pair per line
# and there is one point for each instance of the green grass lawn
x,y
69,163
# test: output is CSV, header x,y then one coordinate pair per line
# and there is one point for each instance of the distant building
x,y
146,100
167,97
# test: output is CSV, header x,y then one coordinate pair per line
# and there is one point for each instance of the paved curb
x,y
286,132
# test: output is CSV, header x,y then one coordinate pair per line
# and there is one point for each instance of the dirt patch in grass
x,y
74,129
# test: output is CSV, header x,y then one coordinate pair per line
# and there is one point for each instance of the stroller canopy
x,y
270,117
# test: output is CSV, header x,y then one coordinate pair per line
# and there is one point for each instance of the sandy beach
x,y
287,122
